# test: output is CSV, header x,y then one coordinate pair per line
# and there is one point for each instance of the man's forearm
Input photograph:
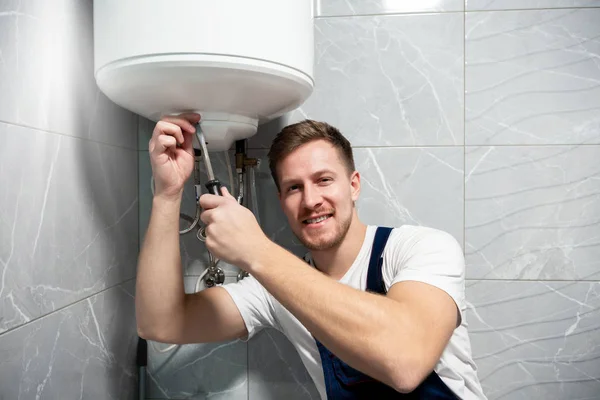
x,y
159,286
361,328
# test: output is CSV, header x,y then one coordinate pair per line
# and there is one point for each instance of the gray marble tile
x,y
418,186
84,351
276,370
47,73
533,212
386,81
326,8
198,371
521,4
532,77
194,256
69,221
536,340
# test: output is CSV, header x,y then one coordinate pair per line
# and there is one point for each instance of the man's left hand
x,y
232,232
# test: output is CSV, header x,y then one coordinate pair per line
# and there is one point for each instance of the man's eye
x,y
325,180
292,188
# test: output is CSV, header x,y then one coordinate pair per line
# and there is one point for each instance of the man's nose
x,y
312,198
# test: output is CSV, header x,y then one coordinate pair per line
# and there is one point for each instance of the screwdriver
x,y
213,185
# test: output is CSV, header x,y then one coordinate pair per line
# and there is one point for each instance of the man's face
x,y
317,194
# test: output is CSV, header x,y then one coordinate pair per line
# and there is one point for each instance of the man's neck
x,y
335,262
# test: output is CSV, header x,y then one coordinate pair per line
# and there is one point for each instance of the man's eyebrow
x,y
313,175
322,171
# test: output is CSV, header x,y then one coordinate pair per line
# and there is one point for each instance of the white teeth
x,y
314,221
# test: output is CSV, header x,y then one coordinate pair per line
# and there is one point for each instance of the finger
x,y
165,142
226,193
209,201
206,217
167,128
186,121
188,143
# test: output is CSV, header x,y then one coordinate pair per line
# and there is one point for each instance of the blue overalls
x,y
346,383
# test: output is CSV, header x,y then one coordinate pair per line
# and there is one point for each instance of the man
x,y
373,313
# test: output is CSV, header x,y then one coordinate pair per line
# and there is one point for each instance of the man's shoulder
x,y
418,232
424,253
410,238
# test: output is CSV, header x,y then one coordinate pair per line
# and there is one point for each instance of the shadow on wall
x,y
267,132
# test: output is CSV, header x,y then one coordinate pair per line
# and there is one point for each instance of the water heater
x,y
238,63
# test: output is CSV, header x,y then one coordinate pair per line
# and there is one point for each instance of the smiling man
x,y
374,312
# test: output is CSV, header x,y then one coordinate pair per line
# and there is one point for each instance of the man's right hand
x,y
172,154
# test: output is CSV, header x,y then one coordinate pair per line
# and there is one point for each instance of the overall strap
x,y
375,277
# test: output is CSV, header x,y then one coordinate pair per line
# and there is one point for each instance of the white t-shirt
x,y
412,253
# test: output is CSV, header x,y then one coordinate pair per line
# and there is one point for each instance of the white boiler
x,y
238,63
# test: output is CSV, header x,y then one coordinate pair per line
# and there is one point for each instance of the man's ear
x,y
355,185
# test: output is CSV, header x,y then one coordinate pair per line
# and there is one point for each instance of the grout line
x,y
390,14
64,307
445,146
477,145
533,145
434,12
531,280
464,34
533,9
66,135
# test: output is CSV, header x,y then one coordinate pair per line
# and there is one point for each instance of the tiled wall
x,y
532,197
68,212
478,119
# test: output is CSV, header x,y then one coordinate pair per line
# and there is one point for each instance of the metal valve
x,y
242,275
215,276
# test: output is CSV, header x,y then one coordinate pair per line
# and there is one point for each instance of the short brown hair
x,y
293,136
